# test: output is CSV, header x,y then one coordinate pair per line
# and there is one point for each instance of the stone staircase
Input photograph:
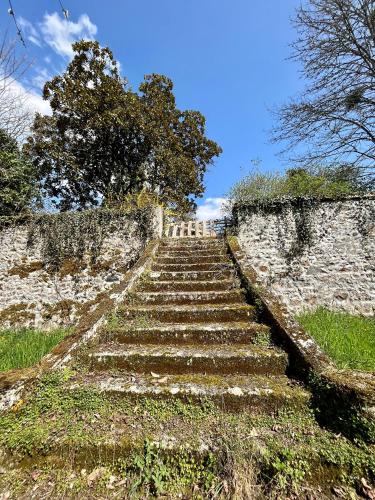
x,y
186,331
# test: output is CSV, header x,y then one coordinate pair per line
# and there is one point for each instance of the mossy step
x,y
189,246
213,297
177,359
201,252
179,275
216,333
186,286
228,392
198,266
193,259
206,313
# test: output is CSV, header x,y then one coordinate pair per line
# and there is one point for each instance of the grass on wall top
x,y
349,340
24,347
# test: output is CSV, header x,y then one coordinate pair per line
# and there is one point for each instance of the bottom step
x,y
256,393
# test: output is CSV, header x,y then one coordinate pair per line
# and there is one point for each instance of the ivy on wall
x,y
299,213
76,236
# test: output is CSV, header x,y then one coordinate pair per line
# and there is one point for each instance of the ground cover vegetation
x,y
348,339
333,118
83,442
24,347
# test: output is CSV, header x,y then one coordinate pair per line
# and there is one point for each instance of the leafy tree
x,y
295,183
104,141
335,113
17,178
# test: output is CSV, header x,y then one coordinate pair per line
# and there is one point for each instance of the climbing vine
x,y
300,209
78,236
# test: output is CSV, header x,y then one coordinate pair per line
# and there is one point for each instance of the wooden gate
x,y
191,229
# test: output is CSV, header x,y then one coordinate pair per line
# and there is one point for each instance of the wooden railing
x,y
197,229
190,229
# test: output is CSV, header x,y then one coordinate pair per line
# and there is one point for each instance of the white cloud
x,y
60,33
211,208
31,100
30,31
40,78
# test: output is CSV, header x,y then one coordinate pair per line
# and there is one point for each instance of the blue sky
x,y
227,60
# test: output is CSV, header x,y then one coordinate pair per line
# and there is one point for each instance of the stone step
x,y
186,286
230,392
215,333
215,297
198,266
222,274
199,252
193,259
187,313
193,245
178,359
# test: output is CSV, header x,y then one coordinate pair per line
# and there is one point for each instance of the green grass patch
x,y
22,348
349,340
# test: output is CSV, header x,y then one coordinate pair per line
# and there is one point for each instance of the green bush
x,y
295,183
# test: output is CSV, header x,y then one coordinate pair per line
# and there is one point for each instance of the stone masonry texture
x,y
314,254
32,294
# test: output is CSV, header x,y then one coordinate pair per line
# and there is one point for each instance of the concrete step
x,y
215,297
187,313
193,259
186,286
198,266
178,359
215,333
219,274
230,393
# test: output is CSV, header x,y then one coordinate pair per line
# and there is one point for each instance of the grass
x,y
22,348
349,340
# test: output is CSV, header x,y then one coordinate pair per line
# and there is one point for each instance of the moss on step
x,y
51,441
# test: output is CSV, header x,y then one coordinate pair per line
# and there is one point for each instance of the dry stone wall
x,y
54,268
313,254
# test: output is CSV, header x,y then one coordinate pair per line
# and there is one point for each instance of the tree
x,y
335,114
15,117
104,141
295,183
18,187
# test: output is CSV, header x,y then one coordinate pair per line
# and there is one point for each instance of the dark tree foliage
x,y
18,188
104,141
335,115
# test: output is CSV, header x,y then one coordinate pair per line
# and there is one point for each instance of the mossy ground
x,y
69,444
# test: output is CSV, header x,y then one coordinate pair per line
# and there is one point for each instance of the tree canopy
x,y
334,116
18,187
295,183
104,141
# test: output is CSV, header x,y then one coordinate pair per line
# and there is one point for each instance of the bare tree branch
x,y
15,117
335,114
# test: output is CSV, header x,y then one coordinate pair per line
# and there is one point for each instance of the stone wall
x,y
54,268
313,253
